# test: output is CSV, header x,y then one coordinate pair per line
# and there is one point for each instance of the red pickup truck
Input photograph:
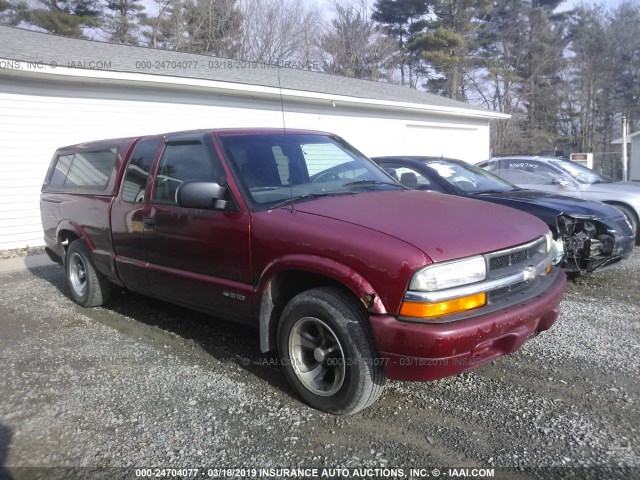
x,y
350,276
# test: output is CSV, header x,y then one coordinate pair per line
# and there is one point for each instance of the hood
x,y
521,199
615,187
444,227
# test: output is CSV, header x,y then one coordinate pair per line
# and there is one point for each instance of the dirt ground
x,y
141,383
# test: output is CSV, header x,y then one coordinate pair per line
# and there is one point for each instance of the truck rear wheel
x,y
327,352
89,287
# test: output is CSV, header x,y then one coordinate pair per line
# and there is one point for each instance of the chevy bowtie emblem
x,y
530,272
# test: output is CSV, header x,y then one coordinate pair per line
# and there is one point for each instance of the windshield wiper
x,y
364,183
495,190
304,196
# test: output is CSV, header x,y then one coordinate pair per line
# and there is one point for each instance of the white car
x,y
556,175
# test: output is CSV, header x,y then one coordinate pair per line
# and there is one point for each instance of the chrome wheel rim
x,y
316,356
78,274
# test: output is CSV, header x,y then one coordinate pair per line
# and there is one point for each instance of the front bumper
x,y
614,232
429,351
624,243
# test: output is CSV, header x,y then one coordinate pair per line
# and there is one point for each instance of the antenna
x,y
284,126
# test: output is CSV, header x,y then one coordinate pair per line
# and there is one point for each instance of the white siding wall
x,y
37,117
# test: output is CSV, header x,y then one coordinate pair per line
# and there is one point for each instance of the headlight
x,y
449,274
549,237
565,224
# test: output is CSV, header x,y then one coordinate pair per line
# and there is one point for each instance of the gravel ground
x,y
146,384
21,252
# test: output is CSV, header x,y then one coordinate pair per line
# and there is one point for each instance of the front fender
x,y
327,267
331,269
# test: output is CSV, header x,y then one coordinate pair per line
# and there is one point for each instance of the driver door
x,y
196,257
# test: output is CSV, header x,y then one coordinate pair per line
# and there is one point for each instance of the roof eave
x,y
187,83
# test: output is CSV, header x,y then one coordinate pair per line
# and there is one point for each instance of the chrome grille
x,y
510,272
499,262
504,291
519,257
505,262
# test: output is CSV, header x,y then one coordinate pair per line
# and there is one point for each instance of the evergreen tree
x,y
623,36
541,71
522,45
587,73
62,17
8,13
402,20
449,42
123,24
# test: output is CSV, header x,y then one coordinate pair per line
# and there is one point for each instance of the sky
x,y
326,5
609,4
567,5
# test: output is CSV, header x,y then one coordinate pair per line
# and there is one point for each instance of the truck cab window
x,y
135,181
61,171
83,169
91,169
179,163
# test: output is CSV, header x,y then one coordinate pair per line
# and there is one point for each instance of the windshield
x,y
580,173
469,178
275,169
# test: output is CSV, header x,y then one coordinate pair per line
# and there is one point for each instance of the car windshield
x,y
580,173
469,178
278,169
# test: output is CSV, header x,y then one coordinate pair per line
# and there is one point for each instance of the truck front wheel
x,y
88,287
327,352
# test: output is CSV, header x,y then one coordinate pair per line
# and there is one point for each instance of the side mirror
x,y
560,181
197,194
392,173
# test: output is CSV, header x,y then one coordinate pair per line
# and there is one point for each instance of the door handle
x,y
149,222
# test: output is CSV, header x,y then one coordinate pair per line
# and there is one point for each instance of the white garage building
x,y
57,91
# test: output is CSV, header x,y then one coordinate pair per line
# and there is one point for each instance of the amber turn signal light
x,y
447,307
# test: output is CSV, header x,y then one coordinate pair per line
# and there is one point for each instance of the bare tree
x,y
165,29
353,47
279,31
207,27
212,27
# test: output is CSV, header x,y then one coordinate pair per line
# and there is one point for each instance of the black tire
x,y
88,287
351,375
627,212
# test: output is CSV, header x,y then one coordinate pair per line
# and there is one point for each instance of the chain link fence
x,y
608,163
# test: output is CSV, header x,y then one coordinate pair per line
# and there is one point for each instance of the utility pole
x,y
624,149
